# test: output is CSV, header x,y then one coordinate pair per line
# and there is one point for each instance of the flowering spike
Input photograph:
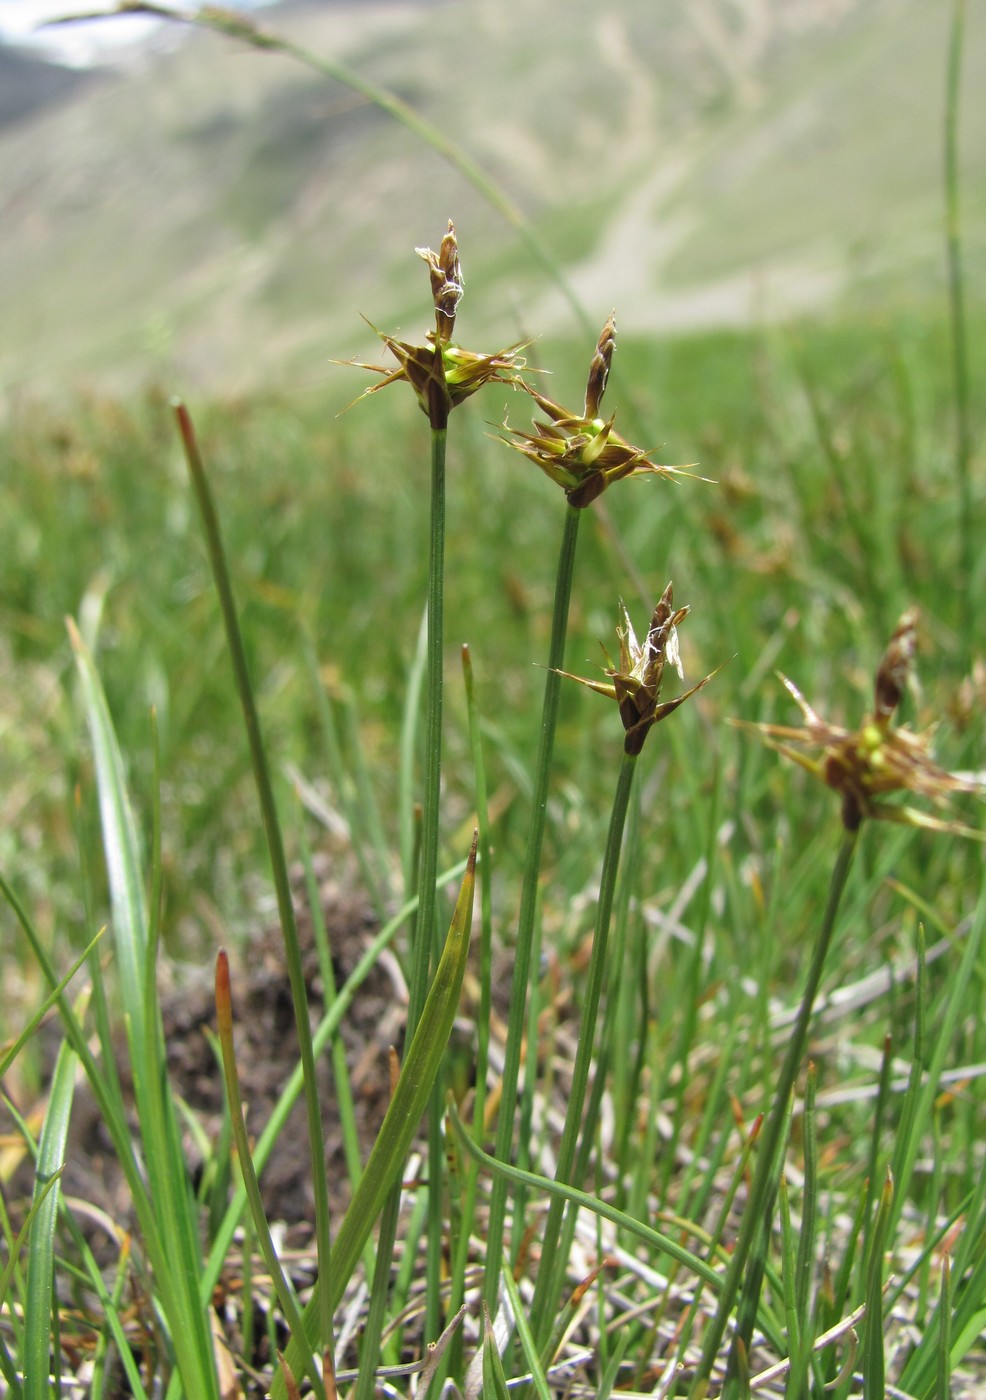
x,y
441,373
582,453
599,368
866,764
635,682
447,285
894,669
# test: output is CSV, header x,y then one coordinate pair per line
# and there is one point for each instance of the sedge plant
x,y
865,767
868,767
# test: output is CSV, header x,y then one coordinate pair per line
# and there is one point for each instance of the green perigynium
x,y
582,452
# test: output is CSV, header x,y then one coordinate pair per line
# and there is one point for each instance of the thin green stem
x,y
425,935
956,298
428,870
427,930
551,1267
528,903
759,1206
272,832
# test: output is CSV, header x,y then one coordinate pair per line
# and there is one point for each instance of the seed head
x,y
865,765
635,682
441,373
583,453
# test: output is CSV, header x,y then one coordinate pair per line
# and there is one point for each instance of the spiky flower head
x,y
867,764
441,373
582,452
447,286
635,681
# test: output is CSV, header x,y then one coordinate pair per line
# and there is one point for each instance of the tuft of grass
x,y
663,1207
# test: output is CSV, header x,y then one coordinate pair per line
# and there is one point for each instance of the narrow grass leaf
x,y
494,1379
272,827
41,1250
285,1293
174,1243
524,1332
50,1000
873,1359
945,1332
402,1119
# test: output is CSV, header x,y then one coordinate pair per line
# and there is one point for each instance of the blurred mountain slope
x,y
219,216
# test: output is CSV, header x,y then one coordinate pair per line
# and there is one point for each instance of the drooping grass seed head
x,y
441,373
635,681
582,452
867,764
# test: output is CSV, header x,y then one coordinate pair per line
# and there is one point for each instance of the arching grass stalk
x,y
956,302
635,684
227,21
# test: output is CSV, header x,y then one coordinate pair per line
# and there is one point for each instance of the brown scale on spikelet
x,y
635,682
865,765
582,452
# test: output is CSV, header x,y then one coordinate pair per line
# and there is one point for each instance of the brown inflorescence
x,y
582,452
635,681
866,764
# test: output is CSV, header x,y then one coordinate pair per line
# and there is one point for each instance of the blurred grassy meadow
x,y
827,431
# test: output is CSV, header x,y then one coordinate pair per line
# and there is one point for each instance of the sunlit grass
x,y
833,509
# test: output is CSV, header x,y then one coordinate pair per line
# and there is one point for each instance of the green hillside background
x,y
219,217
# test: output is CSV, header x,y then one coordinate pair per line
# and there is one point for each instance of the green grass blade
x,y
41,1251
945,1332
664,1244
494,1378
272,827
282,1287
120,845
873,1359
174,1244
524,1333
50,1000
401,1121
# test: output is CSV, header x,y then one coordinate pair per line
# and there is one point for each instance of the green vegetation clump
x,y
636,1045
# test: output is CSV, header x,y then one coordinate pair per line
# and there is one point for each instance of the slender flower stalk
x,y
566,453
635,685
862,766
442,375
583,454
528,903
